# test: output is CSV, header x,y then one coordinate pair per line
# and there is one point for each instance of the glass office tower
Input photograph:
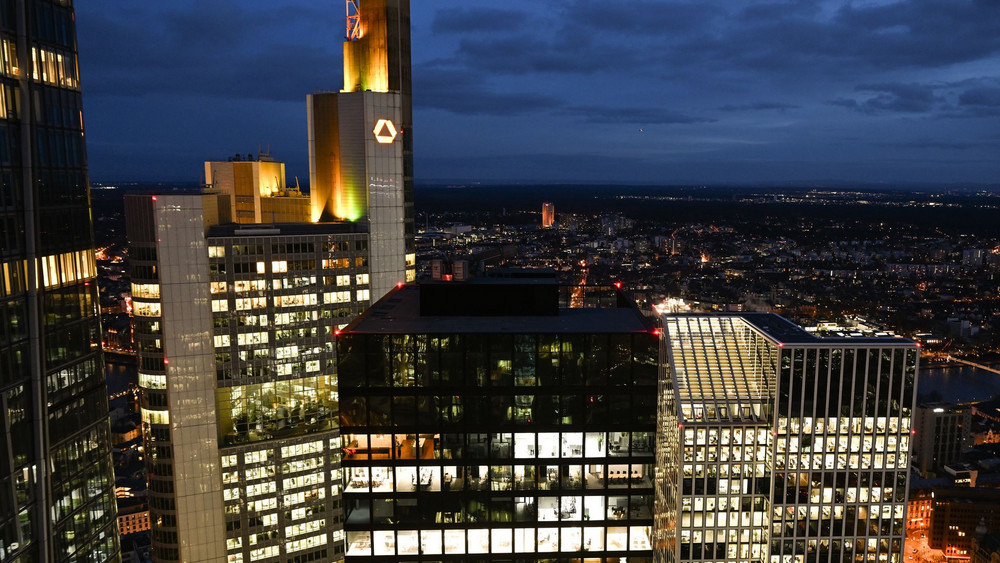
x,y
482,422
57,493
780,446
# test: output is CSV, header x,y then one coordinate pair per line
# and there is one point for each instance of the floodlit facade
x,y
366,154
779,446
258,194
481,421
58,500
360,140
234,326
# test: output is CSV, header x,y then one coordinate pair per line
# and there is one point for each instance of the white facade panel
x,y
190,368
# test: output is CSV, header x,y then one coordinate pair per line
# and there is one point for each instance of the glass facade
x,y
57,493
493,444
779,446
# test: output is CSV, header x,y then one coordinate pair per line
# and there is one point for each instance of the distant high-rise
x,y
943,432
775,445
548,215
57,502
361,141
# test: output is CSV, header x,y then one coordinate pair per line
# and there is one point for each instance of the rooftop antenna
x,y
354,31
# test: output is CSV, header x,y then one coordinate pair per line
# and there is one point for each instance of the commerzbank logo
x,y
385,131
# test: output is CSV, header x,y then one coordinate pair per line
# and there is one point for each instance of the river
x,y
957,383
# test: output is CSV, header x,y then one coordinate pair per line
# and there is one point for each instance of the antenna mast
x,y
354,31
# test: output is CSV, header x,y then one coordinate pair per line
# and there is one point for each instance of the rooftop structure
x,y
257,189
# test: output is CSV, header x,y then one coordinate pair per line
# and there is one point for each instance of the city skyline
x,y
805,92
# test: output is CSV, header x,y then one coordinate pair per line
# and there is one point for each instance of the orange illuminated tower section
x,y
548,215
361,143
377,49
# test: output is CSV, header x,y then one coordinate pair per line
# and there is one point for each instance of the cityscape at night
x,y
659,282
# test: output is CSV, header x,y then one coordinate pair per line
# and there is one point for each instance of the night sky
x,y
650,92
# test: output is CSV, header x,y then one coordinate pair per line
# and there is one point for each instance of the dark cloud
x,y
212,70
894,98
910,98
224,49
639,116
901,35
938,144
926,33
584,36
981,96
569,51
468,93
639,17
758,12
478,20
759,106
974,97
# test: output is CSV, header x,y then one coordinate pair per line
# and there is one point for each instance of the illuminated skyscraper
x,y
778,446
57,502
234,328
484,421
548,215
361,142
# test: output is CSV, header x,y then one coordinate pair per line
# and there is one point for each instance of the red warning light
x,y
618,284
400,284
154,198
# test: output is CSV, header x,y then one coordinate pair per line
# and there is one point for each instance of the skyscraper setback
x,y
57,499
